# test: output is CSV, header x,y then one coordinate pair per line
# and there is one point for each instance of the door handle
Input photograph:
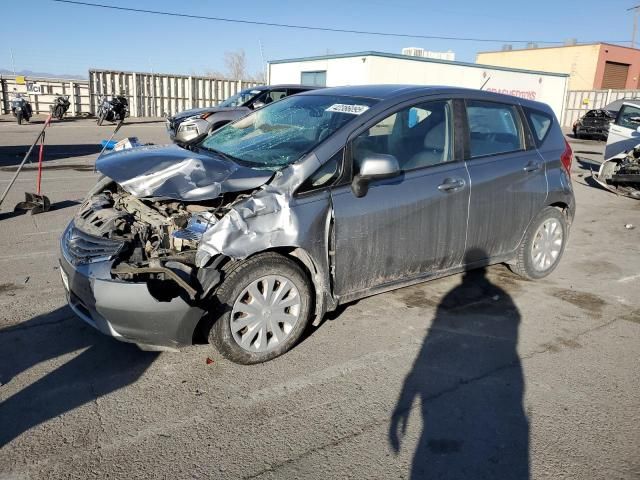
x,y
451,184
532,167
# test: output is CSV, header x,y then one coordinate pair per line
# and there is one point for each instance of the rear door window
x,y
494,128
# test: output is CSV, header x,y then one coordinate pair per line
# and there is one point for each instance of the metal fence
x,y
46,90
578,102
156,94
149,94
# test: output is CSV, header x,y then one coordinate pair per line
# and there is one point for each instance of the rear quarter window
x,y
540,124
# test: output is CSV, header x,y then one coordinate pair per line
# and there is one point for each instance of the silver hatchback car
x,y
317,200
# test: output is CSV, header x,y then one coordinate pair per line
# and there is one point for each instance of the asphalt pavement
x,y
481,375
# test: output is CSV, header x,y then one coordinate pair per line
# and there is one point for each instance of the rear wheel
x,y
543,245
264,307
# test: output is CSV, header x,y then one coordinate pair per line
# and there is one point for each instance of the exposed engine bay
x,y
159,236
621,174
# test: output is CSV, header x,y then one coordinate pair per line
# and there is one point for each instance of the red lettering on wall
x,y
528,94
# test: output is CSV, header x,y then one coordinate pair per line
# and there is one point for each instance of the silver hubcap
x,y
265,313
547,244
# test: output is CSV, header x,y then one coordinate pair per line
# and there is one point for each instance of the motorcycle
x,y
21,108
112,110
60,106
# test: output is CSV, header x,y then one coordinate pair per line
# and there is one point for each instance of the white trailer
x,y
366,68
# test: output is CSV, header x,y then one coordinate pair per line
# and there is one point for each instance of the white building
x,y
367,68
421,52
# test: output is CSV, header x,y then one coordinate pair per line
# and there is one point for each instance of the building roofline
x,y
372,53
560,46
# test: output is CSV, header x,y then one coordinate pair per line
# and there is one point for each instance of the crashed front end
x,y
131,260
621,174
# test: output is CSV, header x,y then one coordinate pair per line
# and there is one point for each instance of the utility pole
x,y
264,64
153,90
13,64
635,24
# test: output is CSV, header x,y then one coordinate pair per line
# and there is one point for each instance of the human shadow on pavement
x,y
97,365
469,383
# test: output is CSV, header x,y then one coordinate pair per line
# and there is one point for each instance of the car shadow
x,y
61,205
13,155
468,382
587,164
90,365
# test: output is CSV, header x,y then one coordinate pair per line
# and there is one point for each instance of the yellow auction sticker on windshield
x,y
344,108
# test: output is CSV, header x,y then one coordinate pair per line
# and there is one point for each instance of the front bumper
x,y
126,310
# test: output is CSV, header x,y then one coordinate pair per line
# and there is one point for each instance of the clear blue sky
x,y
67,39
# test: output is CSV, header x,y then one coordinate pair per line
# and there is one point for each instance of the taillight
x,y
567,157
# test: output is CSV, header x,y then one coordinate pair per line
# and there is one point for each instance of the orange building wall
x,y
615,53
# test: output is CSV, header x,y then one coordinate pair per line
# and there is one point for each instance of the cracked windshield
x,y
280,134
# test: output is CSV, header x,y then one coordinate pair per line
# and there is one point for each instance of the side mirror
x,y
374,167
258,104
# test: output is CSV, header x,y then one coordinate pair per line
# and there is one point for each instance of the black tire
x,y
237,276
523,264
59,112
19,117
101,116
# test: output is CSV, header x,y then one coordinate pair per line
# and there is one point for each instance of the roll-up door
x,y
615,75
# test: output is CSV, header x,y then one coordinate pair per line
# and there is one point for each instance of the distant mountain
x,y
30,73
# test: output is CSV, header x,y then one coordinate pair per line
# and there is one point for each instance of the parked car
x,y
192,125
314,201
594,123
624,132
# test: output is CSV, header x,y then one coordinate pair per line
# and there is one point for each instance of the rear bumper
x,y
126,310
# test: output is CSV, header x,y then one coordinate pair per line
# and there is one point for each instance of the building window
x,y
315,79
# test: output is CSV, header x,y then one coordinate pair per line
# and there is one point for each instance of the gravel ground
x,y
476,376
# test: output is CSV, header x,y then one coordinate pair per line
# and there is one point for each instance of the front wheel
x,y
19,117
101,115
264,308
543,245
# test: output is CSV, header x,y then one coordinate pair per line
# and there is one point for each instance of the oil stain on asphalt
x,y
584,300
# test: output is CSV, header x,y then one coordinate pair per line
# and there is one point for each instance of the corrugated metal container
x,y
368,68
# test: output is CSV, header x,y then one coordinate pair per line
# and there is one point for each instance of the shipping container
x,y
367,68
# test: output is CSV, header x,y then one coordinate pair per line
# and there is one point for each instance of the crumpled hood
x,y
173,172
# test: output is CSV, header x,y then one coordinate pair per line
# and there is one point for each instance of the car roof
x,y
283,85
391,91
617,104
378,92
